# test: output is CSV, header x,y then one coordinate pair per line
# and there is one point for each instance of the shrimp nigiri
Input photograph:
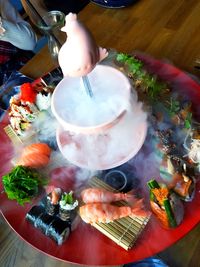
x,y
93,195
35,155
104,212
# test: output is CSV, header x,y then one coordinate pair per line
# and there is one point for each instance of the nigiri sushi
x,y
105,212
93,195
35,155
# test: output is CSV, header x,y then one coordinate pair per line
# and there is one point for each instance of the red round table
x,y
86,245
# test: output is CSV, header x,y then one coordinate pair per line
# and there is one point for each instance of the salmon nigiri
x,y
35,155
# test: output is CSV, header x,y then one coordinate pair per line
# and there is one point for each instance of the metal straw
x,y
87,85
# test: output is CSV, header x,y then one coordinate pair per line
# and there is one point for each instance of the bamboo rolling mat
x,y
15,138
124,231
12,135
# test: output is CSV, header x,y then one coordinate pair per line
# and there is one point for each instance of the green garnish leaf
x,y
135,68
68,198
188,120
174,106
122,57
22,184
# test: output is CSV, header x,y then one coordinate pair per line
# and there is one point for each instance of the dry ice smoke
x,y
111,147
110,89
59,170
79,109
45,128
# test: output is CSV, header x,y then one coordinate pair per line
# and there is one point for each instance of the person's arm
x,y
38,5
17,31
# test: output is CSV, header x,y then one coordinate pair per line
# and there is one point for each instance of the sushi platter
x,y
100,243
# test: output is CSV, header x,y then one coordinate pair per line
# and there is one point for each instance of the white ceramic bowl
x,y
77,112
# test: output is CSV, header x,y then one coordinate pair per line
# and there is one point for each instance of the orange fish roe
x,y
161,214
161,194
28,94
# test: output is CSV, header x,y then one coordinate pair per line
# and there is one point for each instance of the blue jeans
x,y
148,262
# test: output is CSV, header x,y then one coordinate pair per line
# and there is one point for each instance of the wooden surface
x,y
14,252
165,29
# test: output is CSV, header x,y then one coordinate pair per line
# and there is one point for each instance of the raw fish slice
x,y
34,161
35,155
41,148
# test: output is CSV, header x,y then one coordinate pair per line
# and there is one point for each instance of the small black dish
x,y
121,178
116,178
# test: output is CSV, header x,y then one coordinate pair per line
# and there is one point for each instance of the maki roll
x,y
183,186
166,205
67,206
51,226
33,216
59,230
52,202
45,215
44,222
179,177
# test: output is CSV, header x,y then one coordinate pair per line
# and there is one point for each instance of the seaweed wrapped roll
x,y
44,222
165,205
67,206
52,202
59,230
33,216
47,216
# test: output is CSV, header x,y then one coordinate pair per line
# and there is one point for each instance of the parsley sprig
x,y
188,121
174,107
156,91
22,184
135,67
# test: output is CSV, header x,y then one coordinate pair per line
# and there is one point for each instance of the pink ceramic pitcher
x,y
80,53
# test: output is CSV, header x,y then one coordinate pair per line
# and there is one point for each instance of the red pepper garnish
x,y
28,94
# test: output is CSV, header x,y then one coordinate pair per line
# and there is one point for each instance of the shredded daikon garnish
x,y
194,151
